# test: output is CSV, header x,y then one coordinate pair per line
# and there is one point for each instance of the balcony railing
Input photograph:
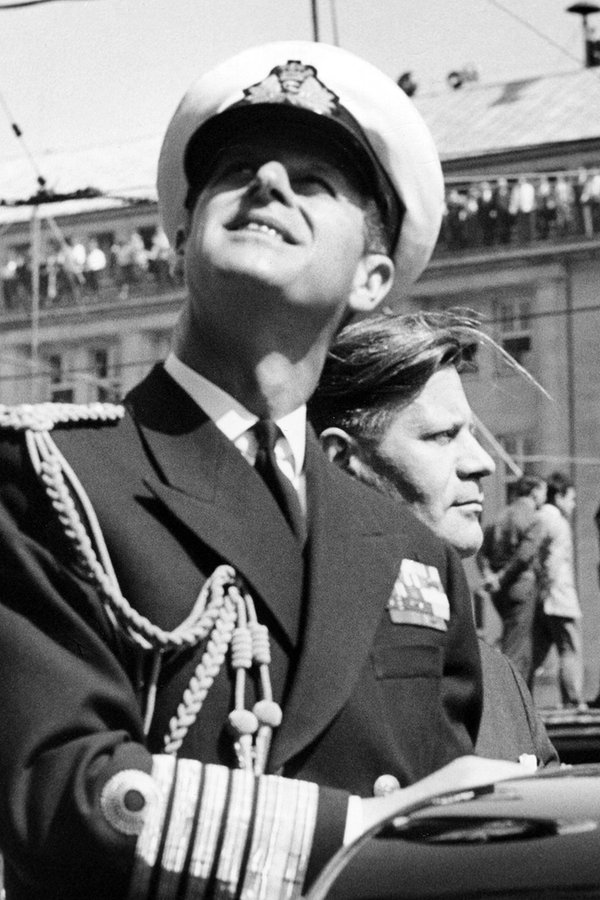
x,y
497,215
520,211
61,288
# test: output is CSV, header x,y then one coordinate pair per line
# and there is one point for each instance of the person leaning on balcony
x,y
488,213
390,410
95,265
208,651
522,208
502,200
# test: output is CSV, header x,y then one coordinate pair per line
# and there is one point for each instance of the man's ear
x,y
372,281
340,448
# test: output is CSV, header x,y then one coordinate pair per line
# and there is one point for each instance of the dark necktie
x,y
267,434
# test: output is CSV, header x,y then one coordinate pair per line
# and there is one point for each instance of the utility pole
x,y
35,234
334,24
315,19
43,196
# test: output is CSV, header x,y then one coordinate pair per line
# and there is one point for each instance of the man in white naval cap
x,y
216,647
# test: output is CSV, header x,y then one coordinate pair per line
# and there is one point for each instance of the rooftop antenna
x,y
590,45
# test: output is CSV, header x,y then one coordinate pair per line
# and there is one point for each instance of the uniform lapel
x,y
208,486
353,559
353,552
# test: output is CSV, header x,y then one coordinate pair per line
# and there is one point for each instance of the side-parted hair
x,y
386,359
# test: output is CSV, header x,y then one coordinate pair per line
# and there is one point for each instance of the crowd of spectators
x,y
521,210
72,269
495,212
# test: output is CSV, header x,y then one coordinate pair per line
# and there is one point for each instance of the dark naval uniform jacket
x,y
362,696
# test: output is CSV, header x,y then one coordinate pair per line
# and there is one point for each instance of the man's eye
x,y
308,185
238,172
444,437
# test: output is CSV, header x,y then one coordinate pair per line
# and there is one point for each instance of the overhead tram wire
x,y
23,3
44,196
41,181
20,3
536,31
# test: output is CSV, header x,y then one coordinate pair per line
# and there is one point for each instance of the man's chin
x,y
465,538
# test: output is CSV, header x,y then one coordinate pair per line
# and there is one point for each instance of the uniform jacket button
x,y
384,785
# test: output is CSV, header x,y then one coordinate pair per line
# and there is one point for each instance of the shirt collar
x,y
230,417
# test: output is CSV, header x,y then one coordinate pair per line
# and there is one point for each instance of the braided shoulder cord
x,y
220,604
44,416
61,483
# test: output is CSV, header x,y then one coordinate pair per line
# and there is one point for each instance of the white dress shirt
x,y
235,422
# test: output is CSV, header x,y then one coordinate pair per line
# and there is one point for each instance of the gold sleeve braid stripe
x,y
208,831
211,813
179,827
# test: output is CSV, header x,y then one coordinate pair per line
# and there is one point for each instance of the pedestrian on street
x,y
508,561
558,616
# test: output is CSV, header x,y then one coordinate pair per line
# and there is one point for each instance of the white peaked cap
x,y
397,137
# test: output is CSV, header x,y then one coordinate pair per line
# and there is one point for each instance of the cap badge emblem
x,y
294,83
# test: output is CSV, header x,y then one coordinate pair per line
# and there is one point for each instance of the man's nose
x,y
271,182
475,460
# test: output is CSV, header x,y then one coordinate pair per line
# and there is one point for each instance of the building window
x,y
105,382
55,364
513,325
101,363
62,395
61,388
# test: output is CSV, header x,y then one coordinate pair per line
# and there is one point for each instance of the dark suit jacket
x,y
512,545
509,724
361,695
